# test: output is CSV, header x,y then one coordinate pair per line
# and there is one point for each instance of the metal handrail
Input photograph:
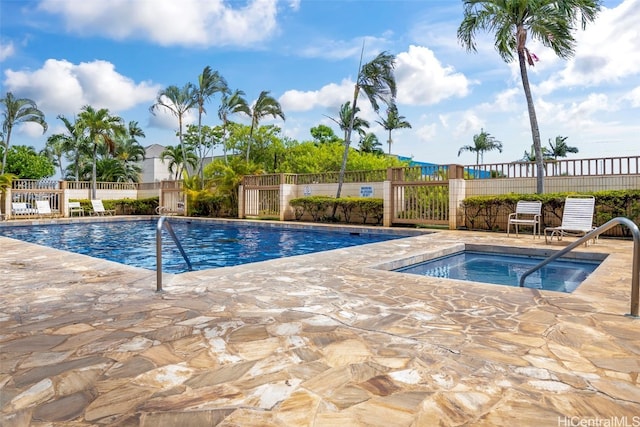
x,y
162,222
635,264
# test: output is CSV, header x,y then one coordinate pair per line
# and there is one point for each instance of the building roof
x,y
153,151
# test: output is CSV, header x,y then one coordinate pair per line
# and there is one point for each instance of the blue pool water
x,y
559,275
207,245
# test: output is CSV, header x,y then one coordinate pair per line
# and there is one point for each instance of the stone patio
x,y
325,339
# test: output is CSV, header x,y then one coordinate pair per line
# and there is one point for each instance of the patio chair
x,y
527,213
99,210
577,219
75,207
43,208
22,209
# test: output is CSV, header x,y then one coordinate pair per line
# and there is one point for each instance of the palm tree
x,y
560,149
392,122
102,130
176,163
134,131
265,105
370,144
482,142
74,144
16,111
178,102
377,81
5,181
55,150
129,153
344,121
209,83
226,177
512,21
530,156
231,103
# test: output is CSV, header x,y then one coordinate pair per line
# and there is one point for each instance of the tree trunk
x,y
535,132
249,144
6,148
200,150
93,171
347,142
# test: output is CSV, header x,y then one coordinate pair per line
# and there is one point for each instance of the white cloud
x,y
422,80
6,50
468,122
294,4
426,132
337,50
331,95
61,87
606,52
169,22
634,97
576,115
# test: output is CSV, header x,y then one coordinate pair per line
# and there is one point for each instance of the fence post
x,y
64,207
387,203
7,203
241,214
457,192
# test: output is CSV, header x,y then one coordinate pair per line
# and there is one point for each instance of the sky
x,y
118,54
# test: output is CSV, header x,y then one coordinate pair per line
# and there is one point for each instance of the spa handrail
x,y
635,263
163,222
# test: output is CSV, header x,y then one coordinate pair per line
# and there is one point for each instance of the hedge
x,y
347,209
491,212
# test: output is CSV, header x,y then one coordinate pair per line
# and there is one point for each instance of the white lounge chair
x,y
527,213
22,209
99,210
577,218
44,208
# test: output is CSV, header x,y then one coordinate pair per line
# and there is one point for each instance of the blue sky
x,y
64,54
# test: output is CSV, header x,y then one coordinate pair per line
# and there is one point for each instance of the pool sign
x,y
366,191
306,190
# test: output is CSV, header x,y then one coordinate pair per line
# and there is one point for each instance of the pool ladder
x,y
163,222
635,263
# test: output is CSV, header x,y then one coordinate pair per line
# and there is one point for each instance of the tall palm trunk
x,y
535,132
200,150
94,171
347,143
184,151
6,148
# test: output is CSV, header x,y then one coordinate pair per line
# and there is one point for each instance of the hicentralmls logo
x,y
599,422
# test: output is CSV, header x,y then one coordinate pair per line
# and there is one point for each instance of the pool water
x,y
560,275
207,245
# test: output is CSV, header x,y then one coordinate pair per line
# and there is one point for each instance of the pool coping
x,y
337,340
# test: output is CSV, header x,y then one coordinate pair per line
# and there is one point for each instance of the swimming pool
x,y
561,275
207,244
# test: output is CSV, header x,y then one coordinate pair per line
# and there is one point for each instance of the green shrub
x,y
348,209
123,206
491,212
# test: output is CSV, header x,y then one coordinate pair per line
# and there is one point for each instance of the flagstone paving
x,y
316,340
